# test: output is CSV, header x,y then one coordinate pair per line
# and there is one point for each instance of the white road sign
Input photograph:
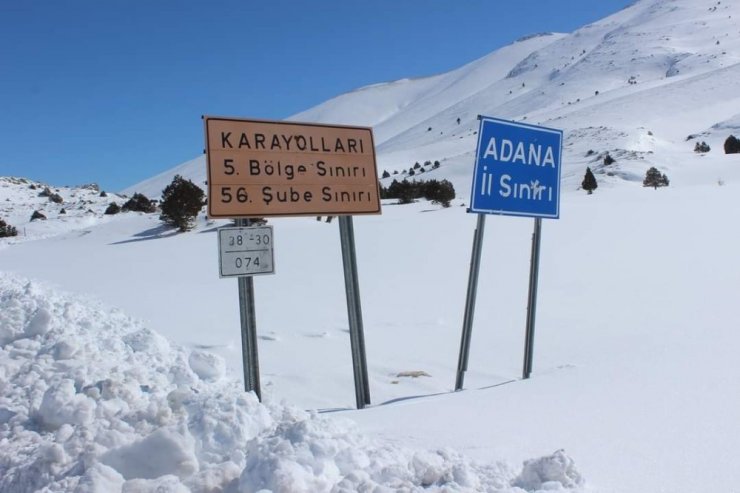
x,y
245,251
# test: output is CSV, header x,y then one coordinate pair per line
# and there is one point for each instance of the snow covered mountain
x,y
635,360
635,84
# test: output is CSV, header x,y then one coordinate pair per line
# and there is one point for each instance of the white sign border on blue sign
x,y
503,212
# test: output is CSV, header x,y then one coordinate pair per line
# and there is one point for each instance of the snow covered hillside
x,y
63,209
635,84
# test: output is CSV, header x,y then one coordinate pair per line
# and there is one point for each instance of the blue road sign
x,y
517,169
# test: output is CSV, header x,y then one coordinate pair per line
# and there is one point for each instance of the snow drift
x,y
91,401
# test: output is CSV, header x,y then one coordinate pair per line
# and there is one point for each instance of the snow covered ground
x,y
92,401
634,358
635,367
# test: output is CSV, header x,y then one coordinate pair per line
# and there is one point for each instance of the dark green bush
x,y
589,183
182,200
653,178
139,203
7,230
732,145
440,192
702,147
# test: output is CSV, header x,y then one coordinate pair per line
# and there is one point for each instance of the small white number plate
x,y
245,251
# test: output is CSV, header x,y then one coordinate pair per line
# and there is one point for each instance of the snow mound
x,y
551,473
91,401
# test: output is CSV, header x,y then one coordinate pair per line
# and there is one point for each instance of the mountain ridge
x,y
662,67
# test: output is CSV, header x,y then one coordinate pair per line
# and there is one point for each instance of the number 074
x,y
246,262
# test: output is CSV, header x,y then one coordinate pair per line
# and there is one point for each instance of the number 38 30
x,y
257,239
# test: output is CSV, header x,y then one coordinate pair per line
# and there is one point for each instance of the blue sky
x,y
112,92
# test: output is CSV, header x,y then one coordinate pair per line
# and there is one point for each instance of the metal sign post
x,y
354,311
249,330
462,362
534,269
517,173
245,251
262,168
